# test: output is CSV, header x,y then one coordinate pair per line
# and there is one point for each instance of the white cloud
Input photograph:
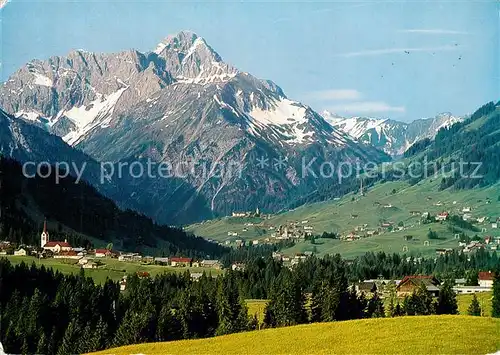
x,y
434,31
334,95
365,107
403,50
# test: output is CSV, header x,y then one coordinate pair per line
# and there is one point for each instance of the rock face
x,y
391,136
225,139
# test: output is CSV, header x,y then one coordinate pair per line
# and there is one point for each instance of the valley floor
x,y
112,268
402,335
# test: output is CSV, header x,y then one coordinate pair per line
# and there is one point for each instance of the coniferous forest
x,y
52,313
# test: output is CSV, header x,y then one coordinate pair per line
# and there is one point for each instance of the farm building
x,y
211,264
409,284
485,279
20,252
176,262
365,287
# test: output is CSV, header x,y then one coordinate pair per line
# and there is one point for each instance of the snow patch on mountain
x,y
42,80
197,42
18,137
87,117
285,115
27,115
393,137
160,47
356,126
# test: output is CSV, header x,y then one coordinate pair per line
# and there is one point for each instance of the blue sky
x,y
402,60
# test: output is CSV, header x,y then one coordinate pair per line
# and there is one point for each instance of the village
x,y
302,230
96,258
292,231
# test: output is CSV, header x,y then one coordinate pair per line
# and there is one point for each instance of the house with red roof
x,y
101,253
56,247
182,262
443,216
486,279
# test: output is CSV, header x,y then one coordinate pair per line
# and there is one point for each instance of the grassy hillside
x,y
337,216
112,268
408,335
483,298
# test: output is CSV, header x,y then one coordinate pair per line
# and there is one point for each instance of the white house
x,y
57,247
470,289
20,252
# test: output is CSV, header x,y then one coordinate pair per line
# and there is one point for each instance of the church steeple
x,y
44,238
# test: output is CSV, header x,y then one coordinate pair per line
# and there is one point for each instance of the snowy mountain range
x,y
181,104
393,137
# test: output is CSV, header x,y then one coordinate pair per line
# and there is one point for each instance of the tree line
x,y
46,312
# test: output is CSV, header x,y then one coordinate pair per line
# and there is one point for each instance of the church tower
x,y
361,190
44,238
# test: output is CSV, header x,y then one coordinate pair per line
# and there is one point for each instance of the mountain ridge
x,y
392,136
182,104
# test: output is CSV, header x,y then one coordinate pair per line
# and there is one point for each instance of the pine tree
x,y
169,327
25,349
472,278
325,303
422,301
474,307
398,311
99,337
391,290
11,341
53,342
68,342
495,303
127,332
82,346
287,304
253,323
269,317
231,309
375,307
352,305
447,300
41,347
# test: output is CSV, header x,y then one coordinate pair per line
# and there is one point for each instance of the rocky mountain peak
x,y
179,103
191,60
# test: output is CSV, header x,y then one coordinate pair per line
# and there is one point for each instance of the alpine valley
x,y
182,105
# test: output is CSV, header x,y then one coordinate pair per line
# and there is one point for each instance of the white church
x,y
55,246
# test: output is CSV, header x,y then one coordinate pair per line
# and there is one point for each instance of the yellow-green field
x,y
403,335
112,268
337,216
484,299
